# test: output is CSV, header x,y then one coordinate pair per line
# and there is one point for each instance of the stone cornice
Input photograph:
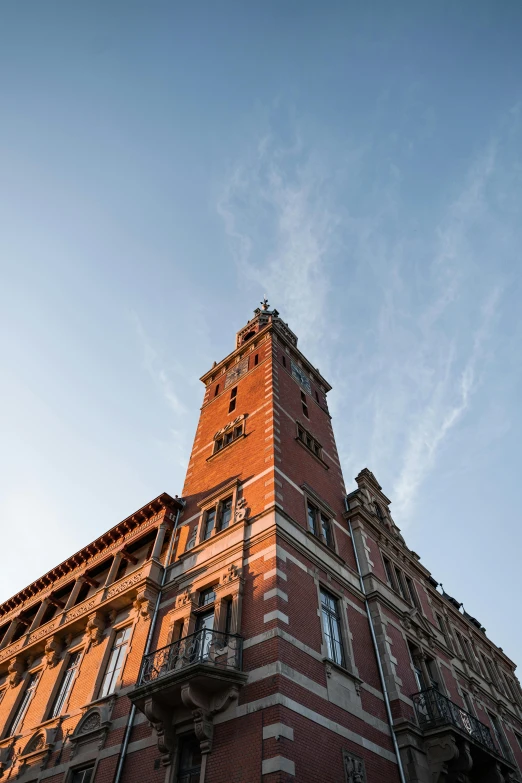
x,y
64,622
271,327
92,554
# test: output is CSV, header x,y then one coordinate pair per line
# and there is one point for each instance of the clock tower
x,y
265,429
264,575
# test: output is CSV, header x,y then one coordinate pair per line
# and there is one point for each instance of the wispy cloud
x,y
449,401
156,369
414,305
276,208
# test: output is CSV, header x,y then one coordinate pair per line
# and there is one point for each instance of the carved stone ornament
x,y
229,426
231,574
183,599
16,669
204,706
95,628
354,771
35,743
242,511
191,542
7,754
53,649
38,749
91,723
92,728
144,602
160,719
446,758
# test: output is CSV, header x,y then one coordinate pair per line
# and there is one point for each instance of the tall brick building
x,y
264,627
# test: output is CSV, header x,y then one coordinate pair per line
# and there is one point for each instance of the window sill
x,y
328,549
199,547
311,453
232,443
343,670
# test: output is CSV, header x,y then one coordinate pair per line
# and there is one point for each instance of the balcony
x,y
455,740
191,679
210,648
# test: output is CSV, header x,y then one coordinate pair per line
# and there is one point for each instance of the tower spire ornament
x,y
264,304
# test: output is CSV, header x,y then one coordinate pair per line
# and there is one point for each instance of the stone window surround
x,y
213,501
110,637
349,668
319,459
310,496
421,658
239,421
407,599
24,681
227,585
81,648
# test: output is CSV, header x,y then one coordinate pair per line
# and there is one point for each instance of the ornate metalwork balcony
x,y
222,650
192,679
434,710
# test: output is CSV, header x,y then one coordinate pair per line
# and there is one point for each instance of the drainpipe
x,y
377,653
152,626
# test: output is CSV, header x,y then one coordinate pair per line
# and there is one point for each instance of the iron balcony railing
x,y
434,709
223,650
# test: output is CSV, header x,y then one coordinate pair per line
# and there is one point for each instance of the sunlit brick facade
x,y
266,626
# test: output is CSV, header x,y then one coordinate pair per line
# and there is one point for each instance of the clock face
x,y
301,378
235,372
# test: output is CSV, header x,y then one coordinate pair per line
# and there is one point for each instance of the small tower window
x,y
233,396
284,361
256,359
216,390
305,406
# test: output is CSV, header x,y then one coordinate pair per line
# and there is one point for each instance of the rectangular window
x,y
332,627
216,390
467,702
210,519
284,361
226,436
400,583
320,525
411,592
256,359
83,775
207,596
490,670
233,400
189,769
19,715
65,687
311,513
442,625
309,441
388,571
326,531
499,734
228,616
115,663
317,396
305,406
225,513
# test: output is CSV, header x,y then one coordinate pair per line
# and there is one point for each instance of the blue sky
x,y
166,164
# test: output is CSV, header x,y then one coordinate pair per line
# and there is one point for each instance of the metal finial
x,y
264,304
